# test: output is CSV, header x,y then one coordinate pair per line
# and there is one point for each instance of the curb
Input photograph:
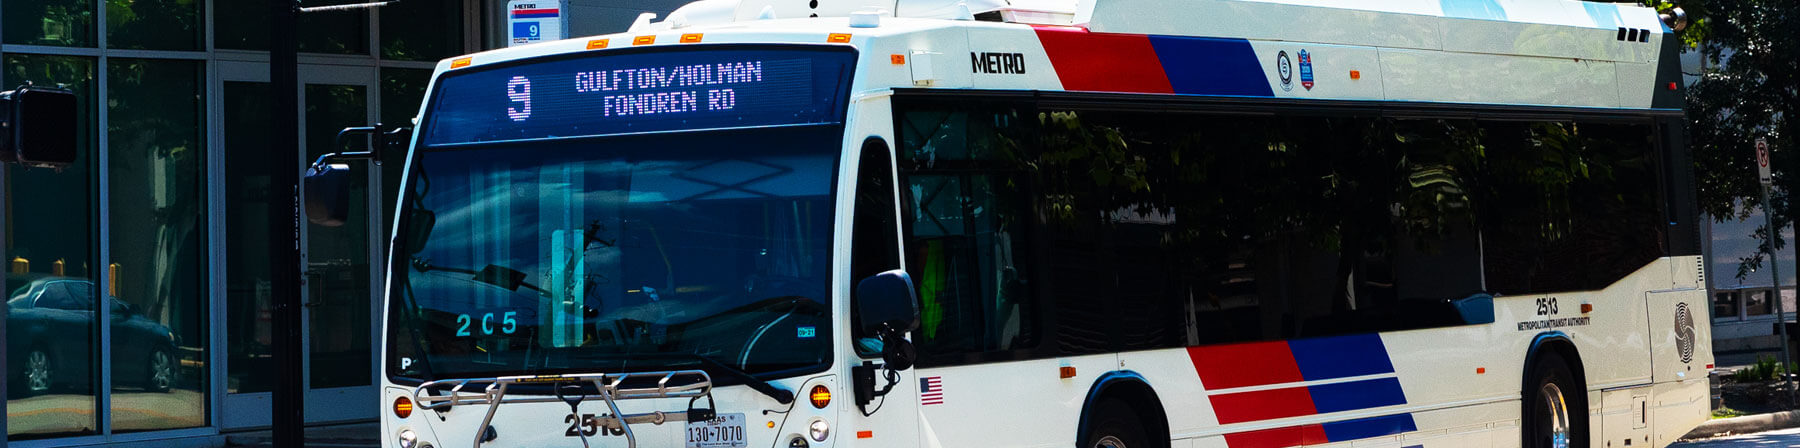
x,y
1745,425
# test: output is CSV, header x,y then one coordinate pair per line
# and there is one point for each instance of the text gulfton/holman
x,y
668,102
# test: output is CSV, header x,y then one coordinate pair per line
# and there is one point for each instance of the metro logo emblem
x,y
1306,70
998,63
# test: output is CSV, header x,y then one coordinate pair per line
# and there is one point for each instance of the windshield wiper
x,y
783,396
492,274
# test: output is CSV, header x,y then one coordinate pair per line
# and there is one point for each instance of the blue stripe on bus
x,y
1386,425
1211,66
1365,394
1341,357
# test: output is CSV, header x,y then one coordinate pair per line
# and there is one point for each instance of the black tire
x,y
159,370
1116,425
1555,406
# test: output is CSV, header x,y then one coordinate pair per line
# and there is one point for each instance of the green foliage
x,y
1749,88
1767,368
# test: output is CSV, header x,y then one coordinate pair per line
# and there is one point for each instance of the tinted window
x,y
968,221
1169,229
874,245
58,295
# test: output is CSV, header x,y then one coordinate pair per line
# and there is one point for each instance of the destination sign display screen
x,y
609,94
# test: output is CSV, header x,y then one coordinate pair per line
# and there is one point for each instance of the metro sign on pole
x,y
1762,161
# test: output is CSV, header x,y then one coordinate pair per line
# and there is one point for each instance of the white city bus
x,y
1100,223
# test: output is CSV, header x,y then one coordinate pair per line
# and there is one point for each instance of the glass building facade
x,y
136,280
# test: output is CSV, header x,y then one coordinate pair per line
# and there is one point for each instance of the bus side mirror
x,y
887,307
37,126
327,188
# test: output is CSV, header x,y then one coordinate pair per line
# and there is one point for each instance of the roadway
x,y
1771,439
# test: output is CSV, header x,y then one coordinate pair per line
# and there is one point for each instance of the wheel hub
x,y
1109,442
1557,413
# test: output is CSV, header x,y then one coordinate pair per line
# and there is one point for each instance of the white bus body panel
x,y
1461,385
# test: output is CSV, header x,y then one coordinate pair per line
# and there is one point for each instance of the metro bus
x,y
1151,223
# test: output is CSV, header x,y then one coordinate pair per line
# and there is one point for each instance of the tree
x,y
1749,88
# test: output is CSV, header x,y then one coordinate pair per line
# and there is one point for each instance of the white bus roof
x,y
1503,52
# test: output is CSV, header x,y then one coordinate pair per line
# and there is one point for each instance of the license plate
x,y
725,431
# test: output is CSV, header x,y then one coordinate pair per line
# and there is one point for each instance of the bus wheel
x,y
1116,426
1553,405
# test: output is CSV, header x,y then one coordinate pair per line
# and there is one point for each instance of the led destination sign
x,y
641,92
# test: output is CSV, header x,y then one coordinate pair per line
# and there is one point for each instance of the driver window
x,y
875,245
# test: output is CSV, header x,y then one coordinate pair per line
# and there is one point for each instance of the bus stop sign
x,y
533,21
1762,161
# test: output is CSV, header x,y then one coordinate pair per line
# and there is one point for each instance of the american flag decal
x,y
931,390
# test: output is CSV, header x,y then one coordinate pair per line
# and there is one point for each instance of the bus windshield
x,y
623,210
617,254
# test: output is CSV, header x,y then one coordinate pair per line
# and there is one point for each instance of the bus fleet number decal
x,y
587,425
504,323
1547,307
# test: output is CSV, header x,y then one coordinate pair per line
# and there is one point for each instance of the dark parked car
x,y
49,326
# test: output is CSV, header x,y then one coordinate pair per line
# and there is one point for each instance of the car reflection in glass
x,y
50,341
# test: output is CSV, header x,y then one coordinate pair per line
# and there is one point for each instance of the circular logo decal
x,y
1285,69
1684,332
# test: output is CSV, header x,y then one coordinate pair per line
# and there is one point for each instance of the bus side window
x,y
967,215
968,252
874,247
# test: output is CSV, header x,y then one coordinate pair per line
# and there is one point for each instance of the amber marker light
x,y
1480,370
461,62
692,38
1587,308
897,59
644,40
820,396
838,38
1066,372
865,434
597,44
403,407
1356,74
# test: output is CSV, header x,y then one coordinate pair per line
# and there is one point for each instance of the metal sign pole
x,y
1764,177
287,408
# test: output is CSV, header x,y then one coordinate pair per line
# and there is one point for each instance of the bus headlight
x,y
820,430
408,439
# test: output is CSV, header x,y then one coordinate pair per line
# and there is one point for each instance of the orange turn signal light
x,y
820,396
461,62
403,407
838,38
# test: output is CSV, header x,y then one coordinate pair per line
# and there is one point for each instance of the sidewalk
x,y
356,435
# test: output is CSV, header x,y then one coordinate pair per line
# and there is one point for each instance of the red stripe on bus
x,y
1244,365
1262,405
1104,62
1291,436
